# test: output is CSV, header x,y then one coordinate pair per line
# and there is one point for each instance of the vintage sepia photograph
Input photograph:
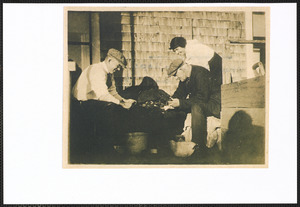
x,y
149,103
166,87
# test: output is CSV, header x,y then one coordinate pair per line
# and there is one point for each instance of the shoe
x,y
200,153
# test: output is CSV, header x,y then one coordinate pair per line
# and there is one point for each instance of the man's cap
x,y
177,42
174,66
118,56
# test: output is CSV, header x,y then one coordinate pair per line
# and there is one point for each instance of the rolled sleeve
x,y
98,85
113,90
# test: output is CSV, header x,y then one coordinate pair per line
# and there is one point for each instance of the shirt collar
x,y
104,66
190,70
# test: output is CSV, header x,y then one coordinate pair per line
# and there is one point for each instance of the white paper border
x,y
33,80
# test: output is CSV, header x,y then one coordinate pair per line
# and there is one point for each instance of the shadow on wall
x,y
244,143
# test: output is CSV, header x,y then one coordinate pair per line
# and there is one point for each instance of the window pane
x,y
259,25
78,26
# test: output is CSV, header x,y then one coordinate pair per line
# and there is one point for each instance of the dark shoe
x,y
207,155
199,155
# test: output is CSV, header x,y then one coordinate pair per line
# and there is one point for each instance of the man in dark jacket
x,y
196,94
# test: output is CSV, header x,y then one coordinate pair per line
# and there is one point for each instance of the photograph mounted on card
x,y
166,87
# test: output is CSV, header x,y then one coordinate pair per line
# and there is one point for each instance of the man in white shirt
x,y
195,53
99,100
92,83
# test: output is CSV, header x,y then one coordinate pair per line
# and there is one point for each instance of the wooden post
x,y
95,37
132,48
249,47
192,28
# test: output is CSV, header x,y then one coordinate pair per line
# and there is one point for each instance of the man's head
x,y
179,69
178,44
115,60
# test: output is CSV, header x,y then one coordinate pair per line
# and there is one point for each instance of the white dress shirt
x,y
91,85
198,53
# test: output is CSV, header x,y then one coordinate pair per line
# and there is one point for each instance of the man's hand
x,y
174,102
130,101
167,107
127,103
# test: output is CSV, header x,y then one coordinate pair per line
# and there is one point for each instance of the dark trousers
x,y
109,120
200,112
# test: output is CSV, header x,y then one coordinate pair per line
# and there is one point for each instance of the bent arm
x,y
113,89
200,94
98,85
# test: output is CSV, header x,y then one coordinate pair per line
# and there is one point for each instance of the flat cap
x,y
118,56
174,66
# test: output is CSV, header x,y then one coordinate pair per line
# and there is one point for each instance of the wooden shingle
x,y
125,20
125,28
126,36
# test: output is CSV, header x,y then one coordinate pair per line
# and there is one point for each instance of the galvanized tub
x,y
137,142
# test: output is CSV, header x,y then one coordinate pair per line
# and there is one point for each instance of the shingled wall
x,y
153,31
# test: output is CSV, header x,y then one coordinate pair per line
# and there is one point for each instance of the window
x,y
79,38
259,33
